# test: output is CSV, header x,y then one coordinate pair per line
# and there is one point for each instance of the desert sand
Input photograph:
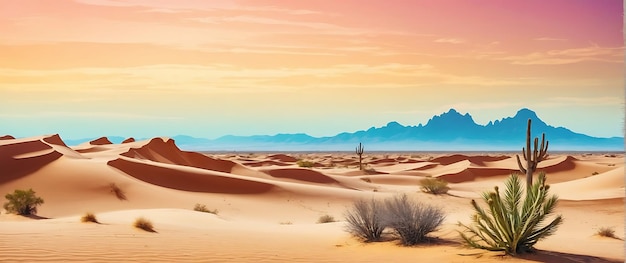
x,y
268,205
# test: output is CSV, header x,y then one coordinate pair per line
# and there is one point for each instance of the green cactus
x,y
359,152
532,157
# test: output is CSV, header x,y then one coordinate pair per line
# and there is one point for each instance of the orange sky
x,y
143,68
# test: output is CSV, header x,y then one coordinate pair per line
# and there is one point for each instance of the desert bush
x,y
595,173
119,193
203,208
365,220
306,164
89,217
325,219
434,186
144,224
411,221
512,224
22,202
607,232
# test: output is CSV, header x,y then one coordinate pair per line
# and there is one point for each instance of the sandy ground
x,y
268,206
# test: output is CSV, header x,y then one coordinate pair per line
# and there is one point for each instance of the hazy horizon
x,y
139,68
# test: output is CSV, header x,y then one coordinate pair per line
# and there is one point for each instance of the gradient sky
x,y
143,68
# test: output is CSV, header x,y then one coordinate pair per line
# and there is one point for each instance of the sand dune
x,y
100,141
268,205
188,179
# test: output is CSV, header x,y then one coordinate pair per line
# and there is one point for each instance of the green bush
x,y
22,202
434,186
306,164
513,224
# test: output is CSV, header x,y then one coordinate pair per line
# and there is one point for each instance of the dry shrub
x,y
365,220
325,219
119,193
203,208
89,217
411,221
434,186
144,224
607,232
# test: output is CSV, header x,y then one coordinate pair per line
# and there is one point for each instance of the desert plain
x,y
266,207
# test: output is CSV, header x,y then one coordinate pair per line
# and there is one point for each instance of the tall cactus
x,y
532,157
359,152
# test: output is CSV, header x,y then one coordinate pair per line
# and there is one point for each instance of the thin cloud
x,y
569,56
450,40
549,39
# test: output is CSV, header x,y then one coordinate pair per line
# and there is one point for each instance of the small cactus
x,y
359,152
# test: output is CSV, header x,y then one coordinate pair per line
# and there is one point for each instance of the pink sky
x,y
143,68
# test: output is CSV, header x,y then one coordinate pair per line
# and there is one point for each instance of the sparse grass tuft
x,y
144,224
286,223
325,219
607,232
89,217
202,208
434,186
595,173
117,191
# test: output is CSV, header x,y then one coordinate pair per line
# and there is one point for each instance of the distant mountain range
x,y
450,131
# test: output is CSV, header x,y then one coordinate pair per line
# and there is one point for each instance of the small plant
x,y
607,232
203,208
325,219
595,173
22,202
286,223
434,186
89,217
366,179
306,164
513,224
365,220
359,152
411,221
117,191
144,224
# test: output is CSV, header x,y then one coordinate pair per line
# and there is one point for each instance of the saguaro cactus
x,y
359,152
532,157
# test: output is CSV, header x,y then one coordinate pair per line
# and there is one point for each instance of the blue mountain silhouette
x,y
450,131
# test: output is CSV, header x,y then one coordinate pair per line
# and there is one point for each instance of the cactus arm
x,y
519,163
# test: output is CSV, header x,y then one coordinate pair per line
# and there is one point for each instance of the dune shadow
x,y
36,217
554,256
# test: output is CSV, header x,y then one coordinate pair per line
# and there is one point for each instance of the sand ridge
x,y
268,205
